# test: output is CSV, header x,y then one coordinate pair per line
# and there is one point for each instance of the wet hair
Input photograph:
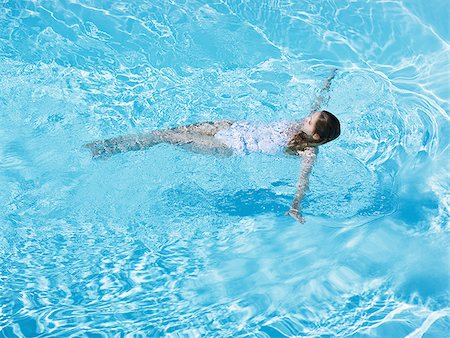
x,y
326,129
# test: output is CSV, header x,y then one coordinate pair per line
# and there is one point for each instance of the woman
x,y
227,137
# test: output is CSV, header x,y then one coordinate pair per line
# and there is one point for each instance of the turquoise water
x,y
165,242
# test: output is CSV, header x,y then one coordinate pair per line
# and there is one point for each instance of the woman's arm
x,y
309,157
323,97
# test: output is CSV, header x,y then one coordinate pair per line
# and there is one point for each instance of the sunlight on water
x,y
165,242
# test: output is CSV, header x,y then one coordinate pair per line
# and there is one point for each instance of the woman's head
x,y
318,128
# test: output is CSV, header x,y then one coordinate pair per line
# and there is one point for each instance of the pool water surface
x,y
166,242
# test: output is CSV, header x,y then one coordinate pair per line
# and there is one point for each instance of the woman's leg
x,y
204,128
197,137
121,144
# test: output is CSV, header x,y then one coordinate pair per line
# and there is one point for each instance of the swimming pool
x,y
165,242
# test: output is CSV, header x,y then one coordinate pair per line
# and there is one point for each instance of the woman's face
x,y
309,124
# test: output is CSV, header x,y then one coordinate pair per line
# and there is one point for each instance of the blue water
x,y
165,242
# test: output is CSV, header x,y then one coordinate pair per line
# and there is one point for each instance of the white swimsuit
x,y
245,137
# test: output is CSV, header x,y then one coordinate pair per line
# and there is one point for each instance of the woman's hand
x,y
295,213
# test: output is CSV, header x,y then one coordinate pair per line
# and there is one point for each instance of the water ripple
x,y
167,243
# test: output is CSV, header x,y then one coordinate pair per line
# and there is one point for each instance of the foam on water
x,y
166,242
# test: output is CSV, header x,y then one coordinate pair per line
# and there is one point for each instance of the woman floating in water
x,y
228,137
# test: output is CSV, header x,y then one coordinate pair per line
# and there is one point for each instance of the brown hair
x,y
327,129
